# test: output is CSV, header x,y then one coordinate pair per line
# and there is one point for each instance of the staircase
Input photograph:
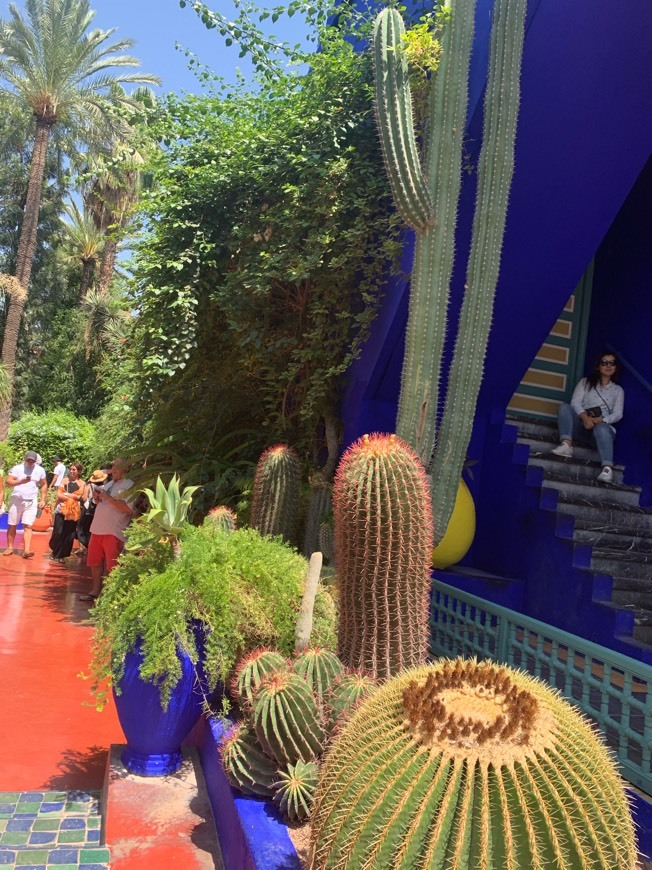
x,y
44,829
606,518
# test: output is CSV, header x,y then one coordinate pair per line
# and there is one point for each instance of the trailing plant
x,y
465,764
277,490
426,190
383,542
289,711
244,589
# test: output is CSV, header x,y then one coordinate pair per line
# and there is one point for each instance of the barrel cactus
x,y
344,695
223,518
286,718
294,790
277,493
426,191
383,542
246,766
470,765
319,667
250,672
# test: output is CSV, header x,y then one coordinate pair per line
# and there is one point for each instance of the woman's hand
x,y
587,422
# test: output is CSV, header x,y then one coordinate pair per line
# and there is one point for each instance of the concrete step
x,y
541,445
626,518
611,538
593,490
533,426
578,470
631,598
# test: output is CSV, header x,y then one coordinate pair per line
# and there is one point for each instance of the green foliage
x,y
245,589
270,232
54,433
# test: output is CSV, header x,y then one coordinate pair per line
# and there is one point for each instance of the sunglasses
x,y
607,362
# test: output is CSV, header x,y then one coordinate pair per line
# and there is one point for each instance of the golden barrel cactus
x,y
463,765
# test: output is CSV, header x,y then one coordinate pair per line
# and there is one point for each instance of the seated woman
x,y
596,404
70,495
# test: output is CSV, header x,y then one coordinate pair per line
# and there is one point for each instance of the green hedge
x,y
51,433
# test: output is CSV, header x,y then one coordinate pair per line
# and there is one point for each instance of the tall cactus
x,y
427,199
223,518
383,528
277,492
466,765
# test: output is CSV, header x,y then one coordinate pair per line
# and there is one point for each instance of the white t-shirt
x,y
59,474
30,490
108,520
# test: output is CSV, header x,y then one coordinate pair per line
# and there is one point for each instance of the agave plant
x,y
168,511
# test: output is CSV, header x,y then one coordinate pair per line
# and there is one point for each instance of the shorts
x,y
22,510
103,548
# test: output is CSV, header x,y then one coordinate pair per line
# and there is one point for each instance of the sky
x,y
157,25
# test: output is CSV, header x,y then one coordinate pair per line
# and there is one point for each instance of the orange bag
x,y
70,509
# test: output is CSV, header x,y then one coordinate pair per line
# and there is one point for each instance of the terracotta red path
x,y
48,738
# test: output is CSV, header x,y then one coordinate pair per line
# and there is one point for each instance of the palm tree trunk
x,y
107,264
88,268
26,251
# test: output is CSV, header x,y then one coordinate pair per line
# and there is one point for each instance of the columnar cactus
x,y
277,491
318,667
294,790
468,765
286,719
427,197
321,497
383,540
246,765
223,518
249,673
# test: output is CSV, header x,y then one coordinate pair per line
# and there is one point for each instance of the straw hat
x,y
98,476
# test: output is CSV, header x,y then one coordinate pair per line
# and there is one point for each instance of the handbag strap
x,y
603,399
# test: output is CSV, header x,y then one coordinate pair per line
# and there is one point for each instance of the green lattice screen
x,y
612,689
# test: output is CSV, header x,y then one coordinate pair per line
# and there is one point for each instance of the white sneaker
x,y
606,475
563,449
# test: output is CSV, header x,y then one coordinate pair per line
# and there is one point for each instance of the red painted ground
x,y
48,738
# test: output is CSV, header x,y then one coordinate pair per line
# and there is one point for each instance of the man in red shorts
x,y
112,516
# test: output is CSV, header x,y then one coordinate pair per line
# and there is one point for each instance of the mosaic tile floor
x,y
51,830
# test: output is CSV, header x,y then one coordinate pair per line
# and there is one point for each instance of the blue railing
x,y
614,690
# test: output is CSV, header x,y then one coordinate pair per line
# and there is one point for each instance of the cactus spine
x,y
277,489
470,766
383,528
286,719
427,200
344,695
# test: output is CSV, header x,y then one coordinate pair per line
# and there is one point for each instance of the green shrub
x,y
244,588
53,433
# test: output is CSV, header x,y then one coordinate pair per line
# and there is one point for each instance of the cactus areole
x,y
470,765
383,529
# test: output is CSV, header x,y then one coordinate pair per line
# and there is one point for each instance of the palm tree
x,y
107,323
66,75
82,244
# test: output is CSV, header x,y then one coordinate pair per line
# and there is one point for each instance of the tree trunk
x,y
88,268
107,264
26,251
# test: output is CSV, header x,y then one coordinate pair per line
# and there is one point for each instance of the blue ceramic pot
x,y
154,735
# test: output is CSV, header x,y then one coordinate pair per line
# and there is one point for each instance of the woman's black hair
x,y
594,378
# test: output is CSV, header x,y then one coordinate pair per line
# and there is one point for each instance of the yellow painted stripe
x,y
553,353
547,407
539,378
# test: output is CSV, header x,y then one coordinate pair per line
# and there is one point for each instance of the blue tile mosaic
x,y
19,825
64,856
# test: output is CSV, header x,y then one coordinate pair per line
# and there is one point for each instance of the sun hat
x,y
31,455
98,476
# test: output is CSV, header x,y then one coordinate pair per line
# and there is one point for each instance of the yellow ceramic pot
x,y
460,532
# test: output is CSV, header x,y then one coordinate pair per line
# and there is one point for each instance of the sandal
x,y
88,597
27,555
8,552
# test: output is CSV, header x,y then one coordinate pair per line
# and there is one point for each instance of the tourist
x,y
97,478
58,473
596,405
25,481
70,495
112,515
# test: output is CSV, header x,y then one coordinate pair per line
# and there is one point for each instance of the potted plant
x,y
172,621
